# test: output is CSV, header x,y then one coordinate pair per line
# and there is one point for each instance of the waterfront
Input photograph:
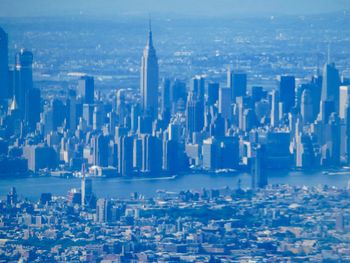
x,y
32,187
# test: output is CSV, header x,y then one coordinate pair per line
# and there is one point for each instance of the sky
x,y
14,8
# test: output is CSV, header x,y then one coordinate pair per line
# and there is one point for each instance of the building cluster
x,y
278,223
170,127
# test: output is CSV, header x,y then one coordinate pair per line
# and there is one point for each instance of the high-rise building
x,y
72,114
259,177
213,93
23,77
307,107
86,189
225,103
287,92
100,146
33,108
347,132
149,79
274,108
4,68
237,82
151,155
194,115
198,87
344,100
125,155
165,100
103,210
86,89
330,85
170,156
211,154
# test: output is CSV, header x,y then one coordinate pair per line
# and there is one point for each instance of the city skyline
x,y
211,142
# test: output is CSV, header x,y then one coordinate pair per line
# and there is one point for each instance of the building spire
x,y
150,40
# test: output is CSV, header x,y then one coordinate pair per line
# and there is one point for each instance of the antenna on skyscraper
x,y
150,22
329,53
318,64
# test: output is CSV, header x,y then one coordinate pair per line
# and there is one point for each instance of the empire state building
x,y
149,79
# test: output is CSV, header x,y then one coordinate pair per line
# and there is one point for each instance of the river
x,y
32,187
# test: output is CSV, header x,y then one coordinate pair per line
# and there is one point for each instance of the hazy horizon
x,y
22,8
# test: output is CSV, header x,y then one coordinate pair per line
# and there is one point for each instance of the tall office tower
x,y
4,67
326,109
330,85
259,177
134,115
170,156
248,120
307,107
98,117
194,115
72,110
86,89
165,99
198,87
225,107
23,77
121,107
125,155
145,125
213,93
103,210
137,153
304,155
149,79
33,108
211,154
57,108
347,132
316,87
86,189
333,141
344,100
88,114
151,155
257,93
274,108
237,82
229,149
287,92
100,145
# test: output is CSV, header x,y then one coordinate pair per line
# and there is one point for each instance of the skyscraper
x,y
306,106
344,99
237,82
4,70
149,78
259,177
287,92
225,103
23,77
103,210
213,93
330,85
194,115
198,87
125,155
33,108
274,108
86,89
